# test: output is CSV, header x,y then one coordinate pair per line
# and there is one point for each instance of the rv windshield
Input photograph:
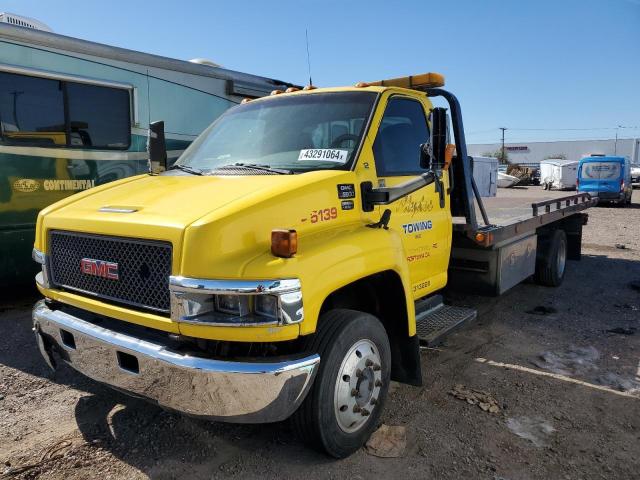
x,y
296,133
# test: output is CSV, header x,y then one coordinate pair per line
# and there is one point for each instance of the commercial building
x,y
534,152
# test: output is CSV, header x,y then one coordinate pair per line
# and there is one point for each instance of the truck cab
x,y
290,263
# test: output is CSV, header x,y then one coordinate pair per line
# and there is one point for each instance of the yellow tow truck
x,y
290,264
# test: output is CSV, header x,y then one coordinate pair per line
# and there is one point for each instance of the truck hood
x,y
174,201
164,207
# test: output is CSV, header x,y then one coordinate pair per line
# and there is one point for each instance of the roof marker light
x,y
415,82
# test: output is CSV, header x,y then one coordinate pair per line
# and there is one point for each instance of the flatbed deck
x,y
514,204
516,211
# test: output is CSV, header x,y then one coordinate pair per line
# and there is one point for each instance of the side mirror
x,y
156,148
433,154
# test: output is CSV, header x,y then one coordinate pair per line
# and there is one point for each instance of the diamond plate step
x,y
434,324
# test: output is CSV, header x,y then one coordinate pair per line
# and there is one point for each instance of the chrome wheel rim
x,y
357,386
561,259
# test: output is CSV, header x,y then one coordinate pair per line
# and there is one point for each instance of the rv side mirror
x,y
433,153
156,148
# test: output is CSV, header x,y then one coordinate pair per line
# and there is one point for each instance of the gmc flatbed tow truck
x,y
291,263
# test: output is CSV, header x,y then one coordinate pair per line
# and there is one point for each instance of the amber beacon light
x,y
284,243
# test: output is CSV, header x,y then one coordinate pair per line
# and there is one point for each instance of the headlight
x,y
266,305
236,302
233,304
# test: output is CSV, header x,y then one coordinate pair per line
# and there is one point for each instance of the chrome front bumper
x,y
240,392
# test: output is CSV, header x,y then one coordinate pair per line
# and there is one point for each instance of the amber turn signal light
x,y
284,243
484,238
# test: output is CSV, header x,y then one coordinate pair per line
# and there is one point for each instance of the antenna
x,y
306,34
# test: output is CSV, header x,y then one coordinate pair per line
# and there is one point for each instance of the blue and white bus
x,y
75,114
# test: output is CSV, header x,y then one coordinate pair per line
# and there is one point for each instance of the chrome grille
x,y
144,267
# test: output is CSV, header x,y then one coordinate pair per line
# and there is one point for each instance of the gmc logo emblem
x,y
99,268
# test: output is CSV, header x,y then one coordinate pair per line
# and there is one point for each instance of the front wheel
x,y
348,395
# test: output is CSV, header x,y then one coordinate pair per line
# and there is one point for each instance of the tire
x,y
551,265
331,418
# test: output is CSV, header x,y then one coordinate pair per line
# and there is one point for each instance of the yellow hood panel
x,y
163,207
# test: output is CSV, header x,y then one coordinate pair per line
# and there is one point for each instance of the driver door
x,y
420,220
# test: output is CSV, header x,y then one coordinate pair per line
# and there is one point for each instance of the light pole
x,y
502,159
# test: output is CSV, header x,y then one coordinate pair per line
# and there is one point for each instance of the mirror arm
x,y
156,148
386,195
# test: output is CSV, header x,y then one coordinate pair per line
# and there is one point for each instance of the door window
x,y
397,145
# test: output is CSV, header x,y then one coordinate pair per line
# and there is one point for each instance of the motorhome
x,y
75,114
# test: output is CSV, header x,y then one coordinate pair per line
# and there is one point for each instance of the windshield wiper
x,y
265,168
186,168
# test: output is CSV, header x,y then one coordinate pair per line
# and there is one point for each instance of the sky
x,y
544,69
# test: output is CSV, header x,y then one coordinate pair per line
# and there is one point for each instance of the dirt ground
x,y
561,364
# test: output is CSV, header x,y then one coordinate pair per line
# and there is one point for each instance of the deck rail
x,y
567,201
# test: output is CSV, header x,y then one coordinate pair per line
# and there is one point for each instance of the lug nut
x,y
378,383
356,409
368,363
354,392
376,367
374,400
365,412
358,373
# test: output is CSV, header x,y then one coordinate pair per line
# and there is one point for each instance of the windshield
x,y
297,132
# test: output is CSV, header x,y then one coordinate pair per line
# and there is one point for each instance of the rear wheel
x,y
348,395
551,264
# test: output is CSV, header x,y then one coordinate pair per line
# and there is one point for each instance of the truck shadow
x,y
18,348
164,444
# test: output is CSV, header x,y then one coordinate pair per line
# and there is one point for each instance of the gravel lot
x,y
561,364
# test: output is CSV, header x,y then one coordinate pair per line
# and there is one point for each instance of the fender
x,y
338,257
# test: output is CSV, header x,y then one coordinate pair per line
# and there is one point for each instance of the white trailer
x,y
559,174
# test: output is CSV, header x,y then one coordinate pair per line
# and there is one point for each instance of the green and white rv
x,y
75,114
